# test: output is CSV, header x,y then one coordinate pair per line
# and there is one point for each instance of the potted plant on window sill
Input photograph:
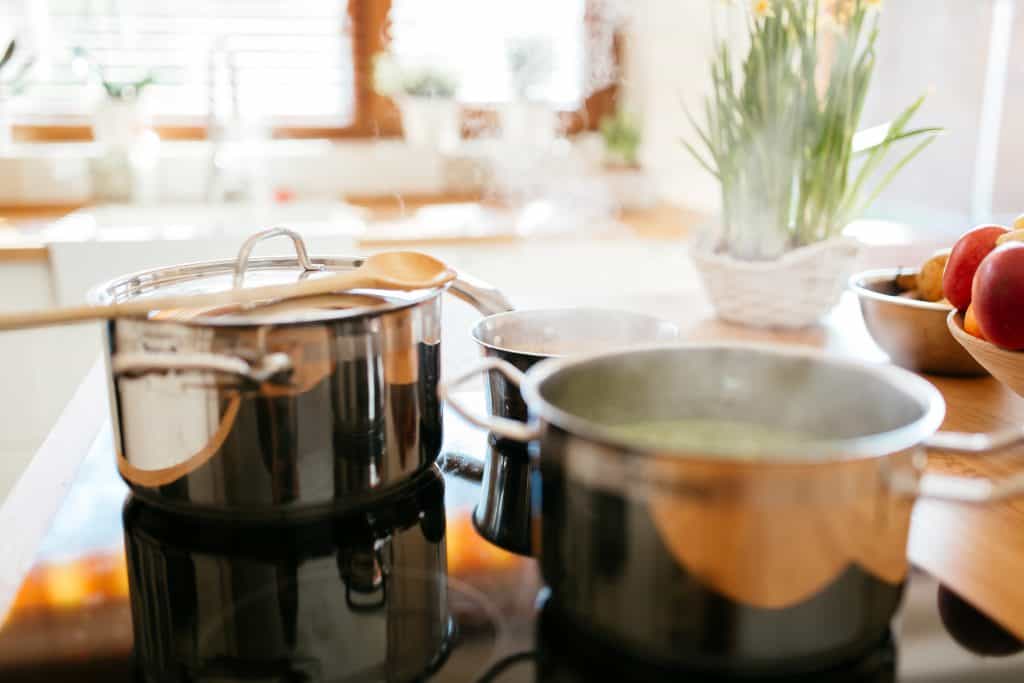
x,y
121,128
528,119
627,182
779,136
13,82
425,97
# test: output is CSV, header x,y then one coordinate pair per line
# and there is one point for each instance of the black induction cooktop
x,y
401,589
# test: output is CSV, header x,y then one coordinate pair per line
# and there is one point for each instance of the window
x,y
286,62
301,66
971,174
548,37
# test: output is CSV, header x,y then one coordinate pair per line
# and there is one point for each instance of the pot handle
x,y
964,489
502,426
483,297
271,366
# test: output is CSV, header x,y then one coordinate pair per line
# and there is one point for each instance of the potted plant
x,y
120,117
627,182
121,126
528,118
779,133
13,82
425,97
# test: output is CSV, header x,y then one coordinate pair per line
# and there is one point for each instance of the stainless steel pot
x,y
505,513
524,338
784,561
284,410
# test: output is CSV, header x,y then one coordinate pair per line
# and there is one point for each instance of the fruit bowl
x,y
1005,366
911,331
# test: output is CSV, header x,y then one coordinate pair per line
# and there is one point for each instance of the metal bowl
x,y
912,332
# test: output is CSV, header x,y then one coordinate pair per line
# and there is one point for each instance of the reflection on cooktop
x,y
567,656
363,596
401,589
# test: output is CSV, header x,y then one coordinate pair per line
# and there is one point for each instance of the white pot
x,y
119,123
630,188
430,121
795,290
526,123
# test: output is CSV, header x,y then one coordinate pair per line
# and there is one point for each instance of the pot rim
x,y
817,452
103,293
665,325
859,283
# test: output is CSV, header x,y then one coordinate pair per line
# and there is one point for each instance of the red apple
x,y
963,262
998,299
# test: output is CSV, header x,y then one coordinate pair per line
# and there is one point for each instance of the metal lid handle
x,y
242,262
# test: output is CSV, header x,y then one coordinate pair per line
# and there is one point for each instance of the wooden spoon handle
x,y
141,307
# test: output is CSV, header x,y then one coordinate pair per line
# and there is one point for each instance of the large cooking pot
x,y
781,558
284,410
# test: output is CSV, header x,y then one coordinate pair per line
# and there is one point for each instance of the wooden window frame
x,y
375,115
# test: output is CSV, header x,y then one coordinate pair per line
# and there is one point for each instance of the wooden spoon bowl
x,y
1005,366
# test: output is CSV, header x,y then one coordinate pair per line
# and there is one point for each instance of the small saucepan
x,y
736,509
524,338
505,513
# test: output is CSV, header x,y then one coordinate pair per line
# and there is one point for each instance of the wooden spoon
x,y
398,270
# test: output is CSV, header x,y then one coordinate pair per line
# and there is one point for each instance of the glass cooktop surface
x,y
400,589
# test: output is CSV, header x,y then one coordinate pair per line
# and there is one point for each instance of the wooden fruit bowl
x,y
1005,366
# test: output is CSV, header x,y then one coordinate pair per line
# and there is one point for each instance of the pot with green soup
x,y
736,509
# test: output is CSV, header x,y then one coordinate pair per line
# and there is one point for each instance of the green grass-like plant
x,y
779,130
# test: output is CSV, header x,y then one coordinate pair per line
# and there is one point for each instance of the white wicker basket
x,y
794,290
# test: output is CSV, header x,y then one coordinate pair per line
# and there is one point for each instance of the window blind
x,y
290,62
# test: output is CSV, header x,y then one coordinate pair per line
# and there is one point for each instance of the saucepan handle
x,y
483,297
964,489
502,426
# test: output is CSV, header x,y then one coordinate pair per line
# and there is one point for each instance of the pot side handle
x,y
502,426
964,489
271,366
142,363
483,297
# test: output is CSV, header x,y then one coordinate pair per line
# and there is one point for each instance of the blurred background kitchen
x,y
501,135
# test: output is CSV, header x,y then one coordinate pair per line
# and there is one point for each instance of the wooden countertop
x,y
17,223
21,227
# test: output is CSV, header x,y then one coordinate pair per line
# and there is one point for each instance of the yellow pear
x,y
929,278
1016,235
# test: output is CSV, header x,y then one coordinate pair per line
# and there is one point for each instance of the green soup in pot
x,y
702,435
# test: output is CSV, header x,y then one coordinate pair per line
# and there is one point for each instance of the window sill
x,y
62,173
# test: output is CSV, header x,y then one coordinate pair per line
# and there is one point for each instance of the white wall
x,y
666,64
27,408
939,47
